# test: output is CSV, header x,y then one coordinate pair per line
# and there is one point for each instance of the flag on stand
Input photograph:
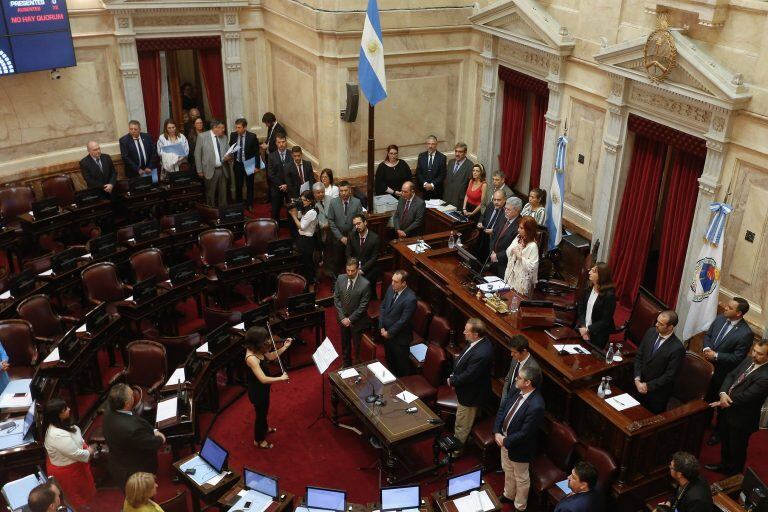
x,y
556,195
370,70
704,282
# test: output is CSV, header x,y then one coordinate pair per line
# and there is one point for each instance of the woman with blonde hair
x,y
139,490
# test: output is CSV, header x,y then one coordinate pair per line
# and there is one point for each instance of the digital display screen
x,y
327,499
400,498
34,35
213,454
260,482
463,483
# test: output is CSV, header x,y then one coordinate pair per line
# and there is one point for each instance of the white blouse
x,y
170,161
522,272
539,214
332,191
65,448
590,305
308,223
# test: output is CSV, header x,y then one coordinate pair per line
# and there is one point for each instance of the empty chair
x,y
214,244
288,285
426,384
61,187
421,319
47,326
19,343
214,317
644,312
176,504
552,466
39,264
692,380
14,201
440,331
178,348
101,284
259,232
149,263
146,368
208,214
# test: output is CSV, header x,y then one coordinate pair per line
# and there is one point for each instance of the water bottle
x,y
609,354
451,241
458,240
601,389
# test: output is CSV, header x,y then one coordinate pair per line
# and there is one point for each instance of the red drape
x,y
678,215
540,104
149,70
634,225
210,66
512,132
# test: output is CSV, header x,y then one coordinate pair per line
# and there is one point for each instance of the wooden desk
x,y
141,205
283,504
181,198
390,424
228,275
9,243
436,221
98,212
35,228
426,506
291,323
446,505
726,503
166,297
206,493
8,306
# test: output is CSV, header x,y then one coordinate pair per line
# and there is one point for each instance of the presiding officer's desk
x,y
208,494
283,504
446,505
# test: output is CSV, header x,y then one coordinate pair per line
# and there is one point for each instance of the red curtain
x,y
210,66
149,71
676,229
540,104
512,132
634,225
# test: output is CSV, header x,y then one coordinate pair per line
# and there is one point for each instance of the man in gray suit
x,y
457,178
351,296
409,214
340,213
212,164
497,183
521,356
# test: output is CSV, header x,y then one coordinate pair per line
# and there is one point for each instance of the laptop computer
x,y
301,302
326,499
96,318
260,482
89,195
22,283
145,290
102,246
400,498
214,454
465,482
256,316
21,432
146,230
65,260
45,208
140,184
181,178
280,247
186,221
237,256
217,338
16,492
182,272
231,213
68,346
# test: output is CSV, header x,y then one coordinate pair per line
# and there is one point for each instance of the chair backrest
x,y
386,281
146,363
37,311
101,283
207,213
560,444
124,234
606,467
176,504
149,263
258,232
214,244
39,264
367,349
440,331
178,348
288,285
644,312
18,342
61,187
15,200
215,317
434,362
421,318
691,381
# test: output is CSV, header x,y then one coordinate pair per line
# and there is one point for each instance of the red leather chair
x,y
124,234
692,380
643,315
214,243
178,348
61,187
176,504
447,401
214,317
39,264
440,331
208,214
426,384
482,435
101,284
421,319
259,232
552,466
149,263
15,200
47,326
368,349
19,343
374,306
146,368
607,471
288,285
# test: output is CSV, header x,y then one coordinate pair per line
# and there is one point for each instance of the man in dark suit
x,y
363,245
340,213
583,496
521,356
726,343
276,165
503,235
273,128
430,170
132,441
137,151
459,171
492,217
98,170
396,323
351,296
692,492
298,173
742,395
657,361
408,219
471,377
248,147
516,430
496,183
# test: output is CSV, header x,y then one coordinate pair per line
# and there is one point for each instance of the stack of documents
x,y
572,348
381,373
476,501
167,409
434,203
419,247
348,373
493,284
621,402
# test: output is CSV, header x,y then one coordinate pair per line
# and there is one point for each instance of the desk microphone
x,y
372,397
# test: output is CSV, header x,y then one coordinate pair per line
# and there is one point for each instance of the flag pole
x,y
371,144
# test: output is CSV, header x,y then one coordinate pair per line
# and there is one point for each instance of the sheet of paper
x,y
234,147
82,328
176,376
434,203
621,402
493,287
572,348
419,248
381,373
5,295
86,256
474,502
240,326
53,356
48,272
167,409
491,279
406,396
304,187
259,501
203,471
419,351
215,480
563,485
348,373
129,298
176,149
324,355
202,348
250,166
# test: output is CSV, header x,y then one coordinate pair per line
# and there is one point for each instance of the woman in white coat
x,y
523,258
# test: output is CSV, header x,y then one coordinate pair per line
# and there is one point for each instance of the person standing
x,y
408,219
521,356
396,323
515,430
277,163
583,496
351,296
340,213
259,351
171,161
212,163
67,454
596,307
322,203
273,128
657,361
692,493
471,378
493,216
298,174
197,128
391,173
137,151
503,234
536,206
97,170
473,199
523,259
497,183
304,219
431,170
247,148
457,177
364,246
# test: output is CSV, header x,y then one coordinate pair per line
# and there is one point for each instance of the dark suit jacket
x,y
731,349
276,128
696,498
455,184
520,440
434,175
658,370
251,145
368,255
276,169
95,177
132,445
130,154
360,296
500,242
413,222
602,316
471,376
292,177
508,384
397,318
589,501
748,396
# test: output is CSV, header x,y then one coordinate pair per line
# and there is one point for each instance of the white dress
x,y
522,273
170,161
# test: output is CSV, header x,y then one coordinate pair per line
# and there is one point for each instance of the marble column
x,y
129,67
488,103
233,78
552,119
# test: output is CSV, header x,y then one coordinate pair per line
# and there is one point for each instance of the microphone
x,y
372,396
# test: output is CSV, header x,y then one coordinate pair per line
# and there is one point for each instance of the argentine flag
x,y
370,72
556,194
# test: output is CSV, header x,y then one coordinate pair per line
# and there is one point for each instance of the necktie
x,y
656,345
345,207
455,167
503,230
350,284
492,222
511,413
514,373
98,162
405,210
300,170
741,378
347,295
241,152
723,332
217,149
431,157
362,241
282,157
394,297
140,150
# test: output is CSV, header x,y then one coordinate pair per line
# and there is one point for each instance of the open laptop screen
x,y
465,482
214,454
327,499
402,497
260,482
